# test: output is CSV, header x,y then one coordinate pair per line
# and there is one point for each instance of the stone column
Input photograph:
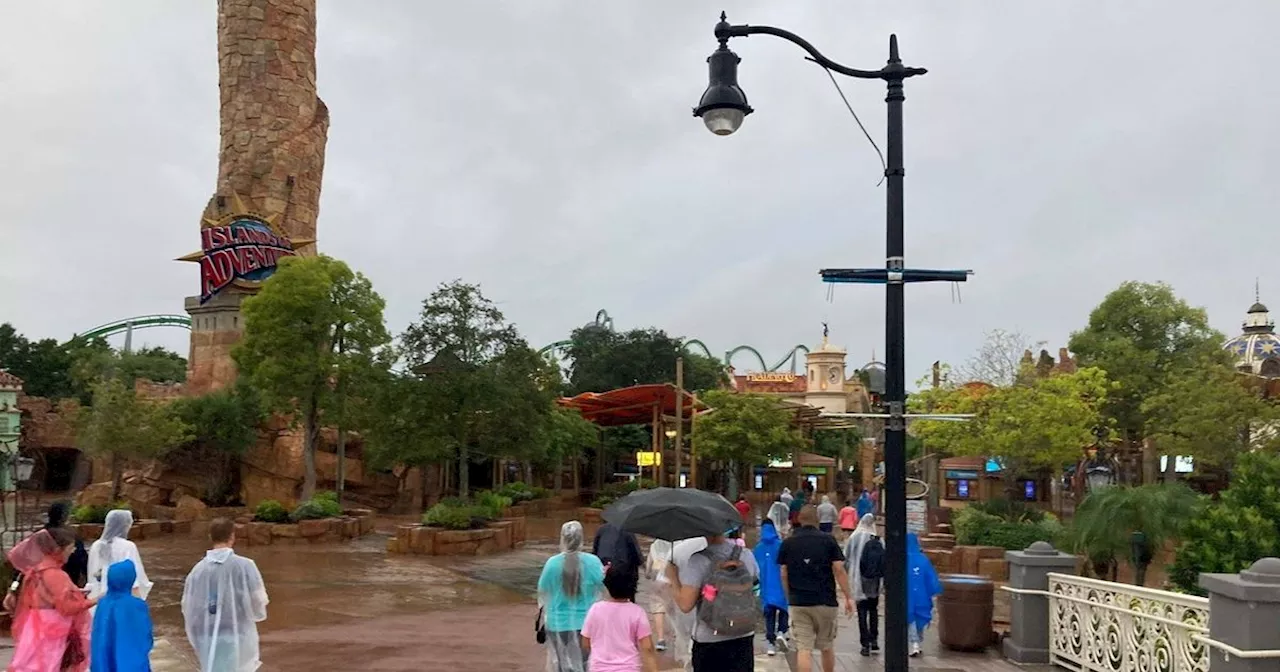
x,y
1244,612
1029,614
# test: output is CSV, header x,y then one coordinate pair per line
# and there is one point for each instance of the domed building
x,y
1257,350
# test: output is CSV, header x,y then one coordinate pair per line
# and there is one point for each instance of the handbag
x,y
73,655
540,627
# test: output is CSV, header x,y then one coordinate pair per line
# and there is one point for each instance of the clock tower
x,y
825,384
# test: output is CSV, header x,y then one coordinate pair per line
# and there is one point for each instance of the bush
x,y
521,492
456,517
1011,511
96,514
1232,534
271,511
492,503
322,505
976,527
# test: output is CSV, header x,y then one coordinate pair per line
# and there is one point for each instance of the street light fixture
x,y
722,108
671,432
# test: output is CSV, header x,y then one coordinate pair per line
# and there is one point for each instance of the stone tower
x,y
825,386
273,128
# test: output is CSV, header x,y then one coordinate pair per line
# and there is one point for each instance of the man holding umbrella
x,y
716,584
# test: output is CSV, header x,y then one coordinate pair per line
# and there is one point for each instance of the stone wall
x,y
47,423
501,535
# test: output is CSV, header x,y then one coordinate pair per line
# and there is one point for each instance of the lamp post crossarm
x,y
893,70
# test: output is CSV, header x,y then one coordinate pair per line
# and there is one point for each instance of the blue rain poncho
x,y
922,584
121,639
766,552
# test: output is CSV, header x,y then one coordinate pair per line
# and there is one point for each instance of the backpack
x,y
871,566
734,610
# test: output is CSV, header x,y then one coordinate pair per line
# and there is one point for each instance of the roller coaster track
x,y
131,324
559,349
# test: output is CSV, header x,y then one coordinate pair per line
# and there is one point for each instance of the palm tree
x,y
1129,522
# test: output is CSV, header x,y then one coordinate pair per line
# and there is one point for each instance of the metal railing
x,y
1102,626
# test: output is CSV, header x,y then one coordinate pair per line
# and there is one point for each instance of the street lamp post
x,y
723,108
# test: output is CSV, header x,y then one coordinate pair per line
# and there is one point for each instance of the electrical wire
x,y
884,166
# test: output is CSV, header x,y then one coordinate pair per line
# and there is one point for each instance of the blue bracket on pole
x,y
881,276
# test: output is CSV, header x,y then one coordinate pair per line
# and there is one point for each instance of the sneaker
x,y
771,650
875,648
660,646
915,650
866,651
782,640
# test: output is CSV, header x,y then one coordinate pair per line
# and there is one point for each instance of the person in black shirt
x,y
812,567
614,545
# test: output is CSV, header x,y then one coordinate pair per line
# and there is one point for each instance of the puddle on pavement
x,y
324,585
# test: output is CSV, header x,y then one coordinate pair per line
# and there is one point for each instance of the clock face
x,y
833,374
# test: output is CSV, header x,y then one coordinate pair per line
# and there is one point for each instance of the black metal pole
x,y
895,436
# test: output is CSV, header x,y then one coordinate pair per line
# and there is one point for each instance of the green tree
x,y
123,427
1143,336
1205,411
491,392
746,429
1231,534
224,426
1129,523
44,366
566,435
313,327
1043,423
601,360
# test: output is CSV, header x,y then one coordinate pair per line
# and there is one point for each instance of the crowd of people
x,y
76,610
712,592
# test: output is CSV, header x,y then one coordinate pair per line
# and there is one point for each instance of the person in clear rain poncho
x,y
112,547
223,600
571,582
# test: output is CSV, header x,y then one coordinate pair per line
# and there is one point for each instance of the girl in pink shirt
x,y
616,634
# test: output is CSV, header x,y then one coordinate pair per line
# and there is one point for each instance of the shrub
x,y
492,503
96,514
601,502
1012,511
521,492
455,517
271,511
322,505
1232,534
976,527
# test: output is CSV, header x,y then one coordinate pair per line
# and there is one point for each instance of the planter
x,y
587,514
500,535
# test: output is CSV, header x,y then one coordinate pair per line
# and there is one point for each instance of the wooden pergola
x,y
639,405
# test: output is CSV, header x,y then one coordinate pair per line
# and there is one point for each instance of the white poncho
x,y
223,599
112,547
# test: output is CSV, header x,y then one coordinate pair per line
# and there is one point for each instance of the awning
x,y
632,405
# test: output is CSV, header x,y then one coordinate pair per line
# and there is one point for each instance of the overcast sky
x,y
546,150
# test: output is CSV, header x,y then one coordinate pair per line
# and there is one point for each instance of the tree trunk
x,y
117,477
311,433
1150,462
731,488
1170,468
464,468
558,482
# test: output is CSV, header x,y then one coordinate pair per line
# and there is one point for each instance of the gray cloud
x,y
546,150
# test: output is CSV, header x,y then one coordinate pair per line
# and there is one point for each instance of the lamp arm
x,y
892,70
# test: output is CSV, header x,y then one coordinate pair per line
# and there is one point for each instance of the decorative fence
x,y
1100,626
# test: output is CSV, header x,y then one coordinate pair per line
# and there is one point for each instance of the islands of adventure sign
x,y
240,249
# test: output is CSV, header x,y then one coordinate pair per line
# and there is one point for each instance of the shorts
x,y
814,628
658,601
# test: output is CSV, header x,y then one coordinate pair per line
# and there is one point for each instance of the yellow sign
x,y
648,459
771,377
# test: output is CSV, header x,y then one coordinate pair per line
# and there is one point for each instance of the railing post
x,y
1028,643
1244,612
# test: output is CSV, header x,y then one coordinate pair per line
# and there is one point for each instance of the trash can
x,y
965,612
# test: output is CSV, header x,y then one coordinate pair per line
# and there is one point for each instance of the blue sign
x,y
956,475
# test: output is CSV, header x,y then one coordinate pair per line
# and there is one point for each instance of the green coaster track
x,y
553,350
131,324
559,349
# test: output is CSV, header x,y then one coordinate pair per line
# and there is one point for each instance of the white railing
x,y
1100,626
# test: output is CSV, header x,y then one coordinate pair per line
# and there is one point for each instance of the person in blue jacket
x,y
865,505
772,594
121,640
922,586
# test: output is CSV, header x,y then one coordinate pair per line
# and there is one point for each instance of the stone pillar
x,y
273,129
1244,609
1029,614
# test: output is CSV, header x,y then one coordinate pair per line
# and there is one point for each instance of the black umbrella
x,y
672,514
